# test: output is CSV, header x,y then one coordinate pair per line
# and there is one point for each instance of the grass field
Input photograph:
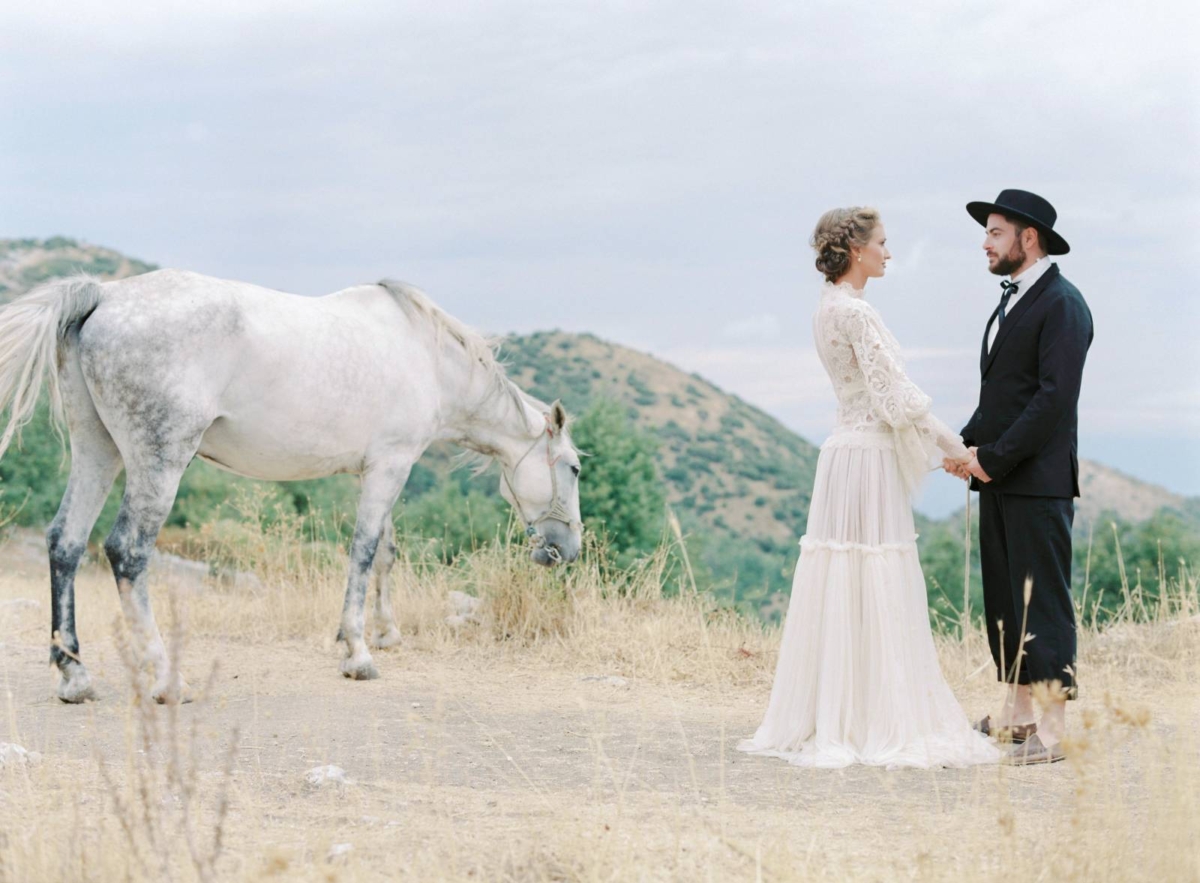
x,y
576,732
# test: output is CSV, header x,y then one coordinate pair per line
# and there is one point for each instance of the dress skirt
x,y
858,679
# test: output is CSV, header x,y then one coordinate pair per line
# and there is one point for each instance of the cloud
x,y
196,132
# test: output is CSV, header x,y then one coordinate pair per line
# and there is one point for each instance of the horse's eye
x,y
575,469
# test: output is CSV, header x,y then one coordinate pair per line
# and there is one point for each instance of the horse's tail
x,y
30,330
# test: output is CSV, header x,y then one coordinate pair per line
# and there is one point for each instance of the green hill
x,y
26,263
738,480
738,470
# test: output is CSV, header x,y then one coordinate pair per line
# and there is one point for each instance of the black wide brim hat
x,y
1024,206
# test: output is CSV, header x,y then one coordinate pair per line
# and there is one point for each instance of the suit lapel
x,y
983,350
1018,311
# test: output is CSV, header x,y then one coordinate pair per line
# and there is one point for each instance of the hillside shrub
x,y
621,494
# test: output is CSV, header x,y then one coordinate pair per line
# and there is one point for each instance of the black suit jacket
x,y
1026,424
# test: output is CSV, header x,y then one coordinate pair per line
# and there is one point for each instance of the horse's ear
x,y
558,417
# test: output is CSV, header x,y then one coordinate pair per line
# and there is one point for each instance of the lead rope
x,y
966,607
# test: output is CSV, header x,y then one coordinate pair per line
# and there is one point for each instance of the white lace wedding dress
x,y
858,679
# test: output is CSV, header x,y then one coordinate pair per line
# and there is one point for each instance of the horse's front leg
x,y
381,487
386,632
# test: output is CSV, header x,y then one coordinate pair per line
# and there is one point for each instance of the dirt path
x,y
542,741
464,763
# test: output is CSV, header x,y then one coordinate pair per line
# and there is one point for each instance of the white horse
x,y
154,370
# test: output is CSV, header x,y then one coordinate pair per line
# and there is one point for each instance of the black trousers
x,y
1020,537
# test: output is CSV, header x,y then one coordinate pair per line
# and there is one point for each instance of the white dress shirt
x,y
1024,281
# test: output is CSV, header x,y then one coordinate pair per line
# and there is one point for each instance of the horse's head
x,y
543,486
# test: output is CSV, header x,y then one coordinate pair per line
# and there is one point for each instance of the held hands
x,y
965,469
957,468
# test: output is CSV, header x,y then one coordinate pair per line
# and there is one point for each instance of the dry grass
x,y
648,621
481,754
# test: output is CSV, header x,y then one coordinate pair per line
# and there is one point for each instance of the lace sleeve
x,y
922,439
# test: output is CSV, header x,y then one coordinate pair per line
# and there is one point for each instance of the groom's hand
x,y
975,469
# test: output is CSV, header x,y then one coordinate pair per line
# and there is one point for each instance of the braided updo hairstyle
x,y
837,230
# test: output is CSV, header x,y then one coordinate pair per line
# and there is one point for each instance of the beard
x,y
1010,262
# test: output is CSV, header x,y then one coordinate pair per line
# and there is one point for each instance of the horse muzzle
x,y
556,545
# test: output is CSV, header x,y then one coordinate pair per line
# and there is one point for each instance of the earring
x,y
860,259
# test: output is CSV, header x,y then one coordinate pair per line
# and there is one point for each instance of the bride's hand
x,y
957,468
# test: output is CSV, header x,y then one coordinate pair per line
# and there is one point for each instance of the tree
x,y
1169,540
621,494
458,520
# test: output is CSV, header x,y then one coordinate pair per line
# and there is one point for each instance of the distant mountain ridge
x,y
26,263
1105,489
739,480
662,398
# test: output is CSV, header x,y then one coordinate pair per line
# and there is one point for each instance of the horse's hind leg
x,y
386,632
95,464
151,482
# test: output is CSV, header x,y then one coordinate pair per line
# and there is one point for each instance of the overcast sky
x,y
649,172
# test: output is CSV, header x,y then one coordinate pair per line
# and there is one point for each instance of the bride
x,y
858,678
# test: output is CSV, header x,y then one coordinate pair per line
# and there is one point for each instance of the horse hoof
x,y
390,638
76,688
177,695
360,670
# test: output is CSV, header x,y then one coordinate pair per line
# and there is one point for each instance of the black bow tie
x,y
1010,288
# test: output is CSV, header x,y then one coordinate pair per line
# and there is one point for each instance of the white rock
x,y
327,775
339,852
174,565
182,573
607,680
240,580
13,756
197,574
464,604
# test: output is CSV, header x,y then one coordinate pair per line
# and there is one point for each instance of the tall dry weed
x,y
645,620
163,813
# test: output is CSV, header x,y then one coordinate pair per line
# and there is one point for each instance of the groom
x,y
1023,441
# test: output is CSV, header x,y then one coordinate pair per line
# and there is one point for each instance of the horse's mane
x,y
480,350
